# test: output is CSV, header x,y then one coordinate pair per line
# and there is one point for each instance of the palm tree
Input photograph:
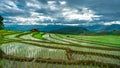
x,y
1,22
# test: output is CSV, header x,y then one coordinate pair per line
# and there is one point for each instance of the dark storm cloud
x,y
109,9
60,11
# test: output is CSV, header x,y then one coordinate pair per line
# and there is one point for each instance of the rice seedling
x,y
20,49
52,54
95,58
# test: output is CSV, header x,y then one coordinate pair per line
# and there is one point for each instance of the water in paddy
x,y
26,50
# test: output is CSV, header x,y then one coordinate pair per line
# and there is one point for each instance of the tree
x,y
1,22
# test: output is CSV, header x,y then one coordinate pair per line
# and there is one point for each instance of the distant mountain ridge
x,y
65,29
103,28
70,30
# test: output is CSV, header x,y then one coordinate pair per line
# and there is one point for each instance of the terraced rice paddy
x,y
46,50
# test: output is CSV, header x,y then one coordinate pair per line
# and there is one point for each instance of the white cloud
x,y
33,8
34,5
52,5
35,14
35,18
8,5
67,24
62,2
73,14
41,17
110,23
51,2
60,24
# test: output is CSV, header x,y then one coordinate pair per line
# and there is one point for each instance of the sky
x,y
60,12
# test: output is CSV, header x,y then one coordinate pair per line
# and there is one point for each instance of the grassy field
x,y
103,39
112,39
47,50
38,35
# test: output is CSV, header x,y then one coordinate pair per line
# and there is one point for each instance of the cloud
x,y
110,23
68,24
60,12
8,5
29,4
62,2
52,5
51,2
34,19
74,14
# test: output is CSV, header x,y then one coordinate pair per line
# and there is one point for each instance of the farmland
x,y
49,50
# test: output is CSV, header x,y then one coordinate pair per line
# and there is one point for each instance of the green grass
x,y
110,39
1,40
105,39
38,35
5,31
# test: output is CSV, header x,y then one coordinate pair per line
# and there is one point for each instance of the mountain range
x,y
65,29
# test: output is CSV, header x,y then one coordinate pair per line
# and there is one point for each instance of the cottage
x,y
35,30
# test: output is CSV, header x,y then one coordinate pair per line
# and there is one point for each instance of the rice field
x,y
47,50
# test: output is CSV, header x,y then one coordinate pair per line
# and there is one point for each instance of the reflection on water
x,y
26,50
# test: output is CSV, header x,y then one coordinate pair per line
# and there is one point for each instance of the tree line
x,y
1,23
